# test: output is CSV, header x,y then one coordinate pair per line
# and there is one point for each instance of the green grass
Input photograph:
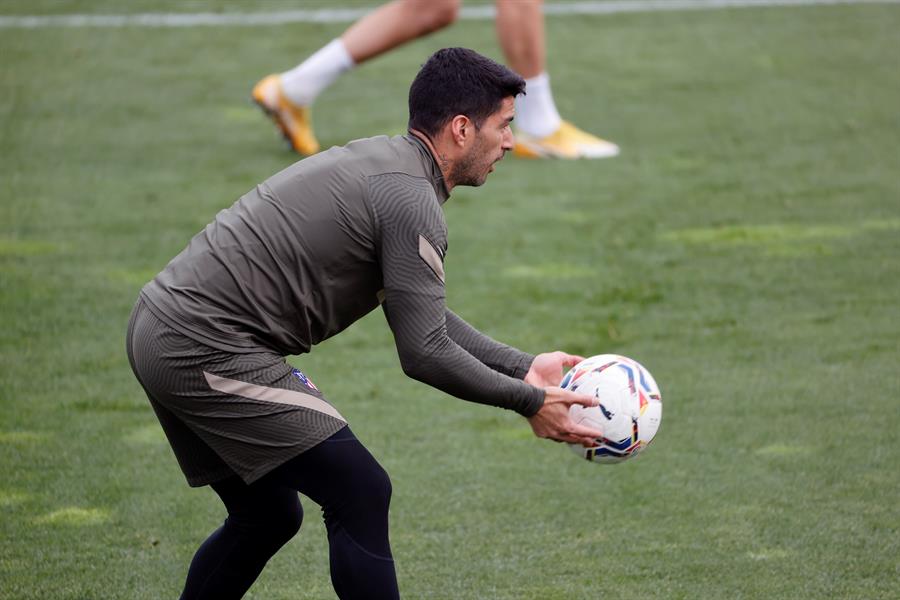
x,y
745,247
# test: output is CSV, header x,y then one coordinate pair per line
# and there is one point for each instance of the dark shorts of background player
x,y
214,434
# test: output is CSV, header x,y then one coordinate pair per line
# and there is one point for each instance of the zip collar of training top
x,y
436,176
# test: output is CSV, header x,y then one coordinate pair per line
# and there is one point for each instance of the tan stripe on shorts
x,y
267,394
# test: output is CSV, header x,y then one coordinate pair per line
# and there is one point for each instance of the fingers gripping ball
x,y
630,407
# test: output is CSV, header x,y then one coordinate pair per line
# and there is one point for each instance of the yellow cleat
x,y
566,142
295,122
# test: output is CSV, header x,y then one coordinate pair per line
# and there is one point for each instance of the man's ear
x,y
462,130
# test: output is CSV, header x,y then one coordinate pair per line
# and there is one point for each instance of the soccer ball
x,y
630,406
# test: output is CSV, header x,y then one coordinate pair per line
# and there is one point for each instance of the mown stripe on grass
x,y
348,15
21,437
18,248
779,239
74,516
10,498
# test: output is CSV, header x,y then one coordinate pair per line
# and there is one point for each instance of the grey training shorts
x,y
225,413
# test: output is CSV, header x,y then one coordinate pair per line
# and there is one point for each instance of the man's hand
x,y
547,369
553,421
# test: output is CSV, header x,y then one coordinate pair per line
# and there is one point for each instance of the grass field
x,y
745,247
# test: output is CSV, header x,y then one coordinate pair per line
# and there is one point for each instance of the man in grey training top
x,y
292,263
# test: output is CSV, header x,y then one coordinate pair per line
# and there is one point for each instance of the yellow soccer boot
x,y
566,142
295,122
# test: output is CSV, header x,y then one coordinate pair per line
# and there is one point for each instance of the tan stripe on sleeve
x,y
431,257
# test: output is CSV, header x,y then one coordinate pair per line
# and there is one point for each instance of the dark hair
x,y
459,81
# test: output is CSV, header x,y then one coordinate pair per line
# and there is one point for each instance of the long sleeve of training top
x,y
498,356
318,245
413,241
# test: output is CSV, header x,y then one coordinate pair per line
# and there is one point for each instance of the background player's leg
x,y
520,31
261,519
354,492
287,97
541,132
396,23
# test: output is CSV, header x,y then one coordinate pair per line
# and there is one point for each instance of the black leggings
x,y
354,492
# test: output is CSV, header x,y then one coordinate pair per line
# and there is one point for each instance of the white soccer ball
x,y
630,406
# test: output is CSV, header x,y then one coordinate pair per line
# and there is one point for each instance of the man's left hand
x,y
547,369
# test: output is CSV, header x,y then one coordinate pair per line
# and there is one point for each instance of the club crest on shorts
x,y
304,379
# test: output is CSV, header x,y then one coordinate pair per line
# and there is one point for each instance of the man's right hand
x,y
553,422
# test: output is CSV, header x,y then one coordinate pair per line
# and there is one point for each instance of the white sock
x,y
536,112
307,80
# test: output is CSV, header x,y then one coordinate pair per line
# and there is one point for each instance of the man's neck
x,y
443,161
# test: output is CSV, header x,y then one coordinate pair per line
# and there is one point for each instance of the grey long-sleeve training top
x,y
322,243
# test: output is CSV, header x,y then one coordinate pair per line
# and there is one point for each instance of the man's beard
x,y
470,169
